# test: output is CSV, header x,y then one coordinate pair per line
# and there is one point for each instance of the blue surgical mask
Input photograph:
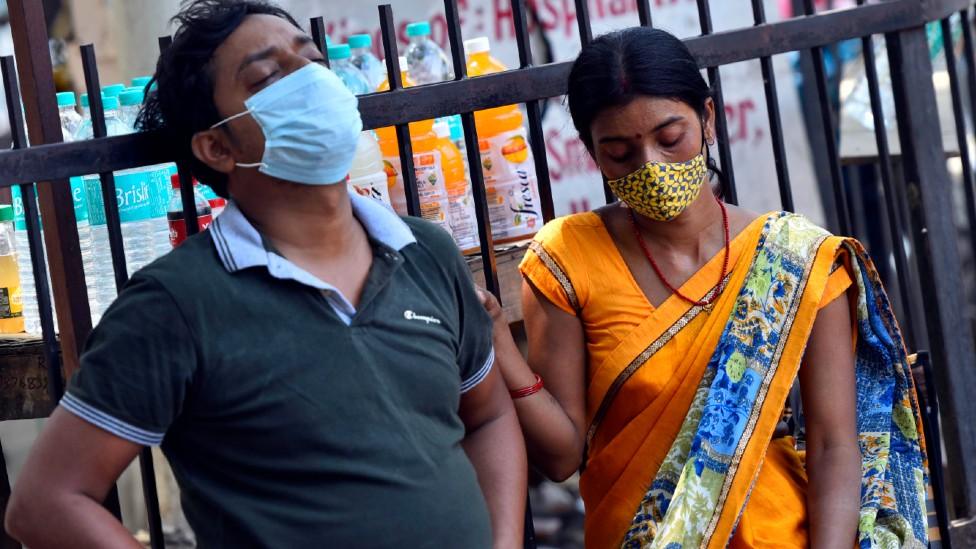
x,y
311,127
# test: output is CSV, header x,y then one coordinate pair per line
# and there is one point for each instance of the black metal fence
x,y
915,185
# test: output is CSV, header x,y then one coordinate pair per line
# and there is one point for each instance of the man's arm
x,y
495,447
57,499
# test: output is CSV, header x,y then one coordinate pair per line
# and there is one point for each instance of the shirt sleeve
x,y
545,267
137,366
476,355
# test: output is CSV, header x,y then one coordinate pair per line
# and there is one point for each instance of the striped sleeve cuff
x,y
111,424
480,375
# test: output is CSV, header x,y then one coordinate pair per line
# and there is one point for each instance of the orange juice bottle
x,y
506,159
11,303
464,225
429,165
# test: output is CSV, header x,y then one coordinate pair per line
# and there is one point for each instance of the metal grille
x,y
929,281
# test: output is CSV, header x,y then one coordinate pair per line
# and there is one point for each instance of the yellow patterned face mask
x,y
662,190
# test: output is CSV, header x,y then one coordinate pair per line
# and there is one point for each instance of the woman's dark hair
x,y
622,65
183,102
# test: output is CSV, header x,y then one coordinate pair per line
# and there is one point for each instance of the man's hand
x,y
57,500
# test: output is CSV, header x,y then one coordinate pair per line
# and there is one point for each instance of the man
x,y
317,370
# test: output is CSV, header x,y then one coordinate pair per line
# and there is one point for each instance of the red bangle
x,y
528,391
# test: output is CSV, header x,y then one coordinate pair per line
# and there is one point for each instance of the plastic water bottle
x,y
142,197
364,60
130,101
340,59
427,62
70,119
71,122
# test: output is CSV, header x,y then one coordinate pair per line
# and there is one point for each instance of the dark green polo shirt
x,y
290,418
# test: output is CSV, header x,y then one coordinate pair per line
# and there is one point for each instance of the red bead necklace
x,y
709,300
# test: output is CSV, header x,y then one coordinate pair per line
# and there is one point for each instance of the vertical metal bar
x,y
958,111
586,36
644,13
29,30
478,189
933,444
187,198
775,121
721,122
532,108
455,40
826,116
52,357
583,22
388,31
318,35
896,223
927,178
112,222
114,226
970,57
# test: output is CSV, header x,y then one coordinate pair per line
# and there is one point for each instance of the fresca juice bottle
x,y
461,213
428,161
506,159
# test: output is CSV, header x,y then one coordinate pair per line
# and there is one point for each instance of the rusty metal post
x,y
928,189
36,74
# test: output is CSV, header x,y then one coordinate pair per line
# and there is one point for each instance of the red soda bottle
x,y
174,214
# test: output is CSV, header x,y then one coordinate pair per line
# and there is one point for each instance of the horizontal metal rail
x,y
533,83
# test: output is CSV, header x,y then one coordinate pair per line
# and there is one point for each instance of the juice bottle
x,y
461,213
11,304
368,173
429,167
506,159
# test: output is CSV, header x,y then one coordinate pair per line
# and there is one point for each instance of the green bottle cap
x,y
357,41
339,51
66,99
113,90
131,97
420,28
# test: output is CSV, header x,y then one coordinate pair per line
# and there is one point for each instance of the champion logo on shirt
x,y
410,315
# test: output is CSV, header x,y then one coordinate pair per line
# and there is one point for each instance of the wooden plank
x,y
23,378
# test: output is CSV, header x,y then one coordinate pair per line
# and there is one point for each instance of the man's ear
x,y
210,147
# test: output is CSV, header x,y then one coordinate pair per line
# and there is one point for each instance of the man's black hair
x,y
183,101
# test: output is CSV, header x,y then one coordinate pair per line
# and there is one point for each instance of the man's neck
x,y
315,221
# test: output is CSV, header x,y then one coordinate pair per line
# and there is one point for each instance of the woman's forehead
x,y
643,110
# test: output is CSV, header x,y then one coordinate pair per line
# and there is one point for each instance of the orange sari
x,y
682,402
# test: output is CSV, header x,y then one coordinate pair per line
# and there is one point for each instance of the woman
x,y
669,329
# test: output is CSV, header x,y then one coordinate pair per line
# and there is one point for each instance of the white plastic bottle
x,y
427,62
340,60
367,175
364,60
142,197
130,101
71,121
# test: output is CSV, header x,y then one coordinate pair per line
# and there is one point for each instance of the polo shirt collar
x,y
241,246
